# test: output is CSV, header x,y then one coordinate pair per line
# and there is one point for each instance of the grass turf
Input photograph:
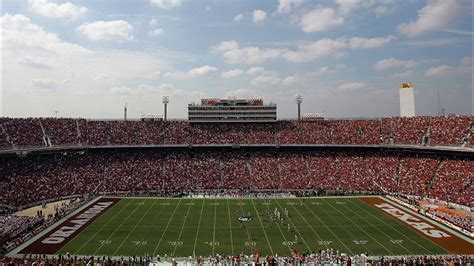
x,y
138,226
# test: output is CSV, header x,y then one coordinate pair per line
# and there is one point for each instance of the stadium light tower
x,y
125,112
166,100
299,100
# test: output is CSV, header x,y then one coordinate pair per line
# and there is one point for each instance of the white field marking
x,y
103,226
290,203
401,233
165,203
182,227
214,233
246,226
361,229
230,228
329,229
263,228
277,223
316,203
240,203
118,227
360,242
324,242
190,203
306,221
169,221
215,203
297,231
133,229
199,224
382,231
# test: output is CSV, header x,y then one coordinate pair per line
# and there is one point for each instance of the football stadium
x,y
285,132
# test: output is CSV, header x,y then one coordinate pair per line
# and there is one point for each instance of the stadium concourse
x,y
77,157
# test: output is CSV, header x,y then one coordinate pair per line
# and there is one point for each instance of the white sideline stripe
x,y
381,231
133,229
164,231
199,225
230,228
118,227
369,235
329,229
297,231
400,233
182,227
258,216
102,227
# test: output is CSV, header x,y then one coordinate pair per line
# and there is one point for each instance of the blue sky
x,y
346,57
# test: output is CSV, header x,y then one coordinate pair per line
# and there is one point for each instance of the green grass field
x,y
136,226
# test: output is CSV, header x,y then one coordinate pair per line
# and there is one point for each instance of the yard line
x,y
304,219
264,232
103,226
199,224
286,241
329,229
246,227
381,231
393,228
131,231
169,221
182,227
214,234
297,231
369,235
117,228
230,228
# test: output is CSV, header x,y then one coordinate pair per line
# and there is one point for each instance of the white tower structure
x,y
299,100
166,100
407,100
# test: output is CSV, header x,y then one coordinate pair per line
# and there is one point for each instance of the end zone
x,y
53,240
422,226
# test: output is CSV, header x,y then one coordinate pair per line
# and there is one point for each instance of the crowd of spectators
x,y
422,130
322,257
36,178
12,226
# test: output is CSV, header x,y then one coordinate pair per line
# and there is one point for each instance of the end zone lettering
x,y
425,228
73,225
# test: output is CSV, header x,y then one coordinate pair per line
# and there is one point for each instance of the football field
x,y
210,226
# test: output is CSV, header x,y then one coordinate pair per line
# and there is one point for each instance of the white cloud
x,y
365,43
254,71
36,62
142,89
347,6
118,30
153,22
266,79
193,73
462,32
403,75
351,86
314,50
241,93
232,73
432,42
464,68
166,4
155,32
258,16
434,16
239,17
320,19
234,54
285,6
46,83
293,80
394,63
54,10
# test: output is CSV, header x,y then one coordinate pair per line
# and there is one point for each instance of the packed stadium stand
x,y
74,157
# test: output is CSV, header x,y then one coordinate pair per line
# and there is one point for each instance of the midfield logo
x,y
245,218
